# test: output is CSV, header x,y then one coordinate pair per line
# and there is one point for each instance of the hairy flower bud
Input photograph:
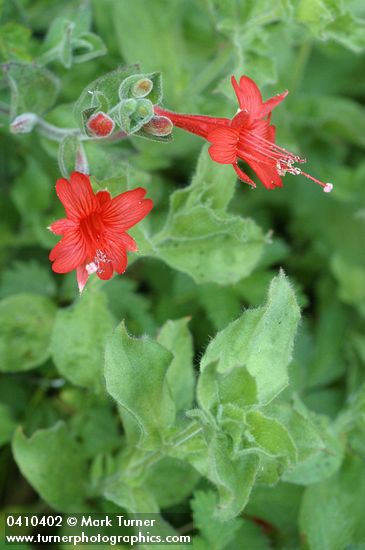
x,y
142,87
100,124
24,123
159,126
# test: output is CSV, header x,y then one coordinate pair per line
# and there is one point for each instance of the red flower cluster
x,y
248,136
94,230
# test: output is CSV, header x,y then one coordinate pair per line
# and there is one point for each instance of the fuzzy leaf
x,y
221,239
26,322
79,337
235,386
136,377
340,500
261,340
175,336
270,436
54,451
29,277
33,88
217,534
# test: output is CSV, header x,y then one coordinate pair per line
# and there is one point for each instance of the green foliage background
x,y
188,385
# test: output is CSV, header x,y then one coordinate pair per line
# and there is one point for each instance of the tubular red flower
x,y
248,136
94,238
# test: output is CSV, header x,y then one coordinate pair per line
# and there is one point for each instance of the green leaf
x,y
26,322
233,477
210,451
159,46
198,228
175,336
338,116
88,46
217,534
206,186
279,506
260,340
29,277
79,337
351,281
33,88
171,481
32,192
235,386
320,463
134,499
329,19
14,42
303,426
202,243
69,41
328,363
136,377
222,305
95,426
331,516
270,436
7,425
53,464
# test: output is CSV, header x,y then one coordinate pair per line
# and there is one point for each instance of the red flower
x,y
248,136
94,230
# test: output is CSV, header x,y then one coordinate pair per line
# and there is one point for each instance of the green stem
x,y
299,66
58,134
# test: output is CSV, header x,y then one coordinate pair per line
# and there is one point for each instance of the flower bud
x,y
159,126
129,106
142,87
100,124
23,123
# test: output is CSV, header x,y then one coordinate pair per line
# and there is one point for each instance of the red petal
x,y
76,196
69,253
129,242
59,227
105,270
271,103
103,197
82,277
64,193
271,133
126,209
267,174
248,95
120,262
200,125
241,119
224,145
116,250
84,197
242,175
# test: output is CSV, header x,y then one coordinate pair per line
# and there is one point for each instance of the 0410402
x,y
33,521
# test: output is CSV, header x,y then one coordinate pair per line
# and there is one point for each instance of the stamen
x,y
91,268
254,137
327,187
268,152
